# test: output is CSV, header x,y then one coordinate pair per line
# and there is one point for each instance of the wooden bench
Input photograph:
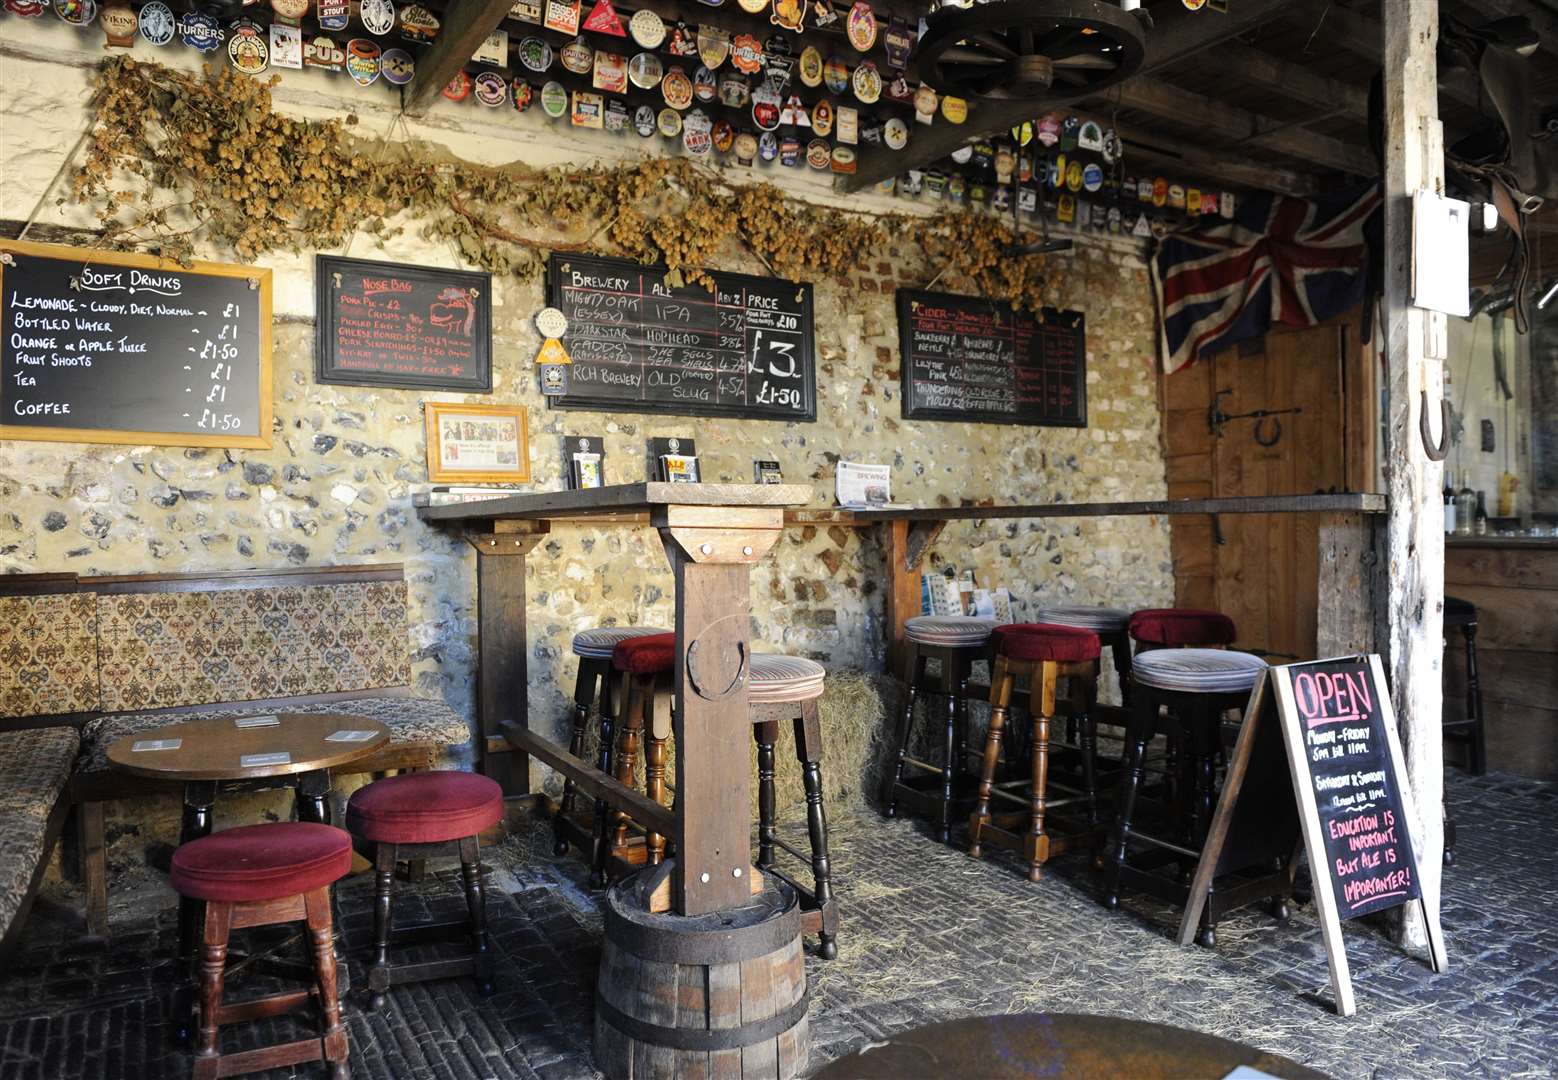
x,y
169,647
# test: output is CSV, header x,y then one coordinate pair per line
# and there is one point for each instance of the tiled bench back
x,y
48,654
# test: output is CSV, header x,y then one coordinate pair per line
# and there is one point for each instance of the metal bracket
x,y
1216,418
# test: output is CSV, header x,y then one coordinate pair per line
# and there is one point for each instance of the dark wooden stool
x,y
1462,614
593,685
954,642
1188,690
1044,654
1112,625
423,816
260,875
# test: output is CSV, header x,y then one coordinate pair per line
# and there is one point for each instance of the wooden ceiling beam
x,y
466,25
1296,81
1173,39
1544,22
1365,37
1227,169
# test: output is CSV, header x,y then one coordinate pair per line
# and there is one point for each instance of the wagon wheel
x,y
1030,50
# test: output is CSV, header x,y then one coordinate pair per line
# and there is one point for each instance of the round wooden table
x,y
1024,1046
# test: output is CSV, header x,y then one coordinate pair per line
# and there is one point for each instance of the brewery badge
x,y
683,41
1192,200
957,188
899,90
962,155
76,12
983,156
576,56
647,28
724,136
535,54
1225,205
846,125
789,14
925,102
397,66
765,108
33,9
811,66
1003,198
378,16
1027,200
603,19
871,130
861,26
1160,192
790,151
746,54
954,109
835,73
611,73
1090,137
670,122
1112,148
734,92
1005,164
1176,197
704,87
1208,203
1048,132
935,184
588,110
1025,166
912,184
1022,134
676,88
527,11
822,13
562,16
119,25
1143,227
1114,219
645,70
200,31
1074,175
554,379
521,94
1093,176
868,83
886,186
362,62
332,14
898,42
248,50
494,49
768,146
1144,189
286,45
644,121
616,115
753,7
1066,208
895,133
417,24
819,155
843,160
713,46
746,147
1194,5
157,23
323,52
554,98
490,89
822,117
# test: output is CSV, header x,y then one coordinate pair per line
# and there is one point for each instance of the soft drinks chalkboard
x,y
391,324
112,347
640,343
976,360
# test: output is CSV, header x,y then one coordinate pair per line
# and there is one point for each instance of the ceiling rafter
x,y
466,25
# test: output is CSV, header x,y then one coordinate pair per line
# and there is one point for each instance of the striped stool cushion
x,y
598,642
1197,671
957,631
262,862
1182,626
1101,620
1042,641
777,678
654,654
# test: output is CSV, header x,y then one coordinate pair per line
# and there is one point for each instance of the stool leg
x,y
609,698
808,751
476,904
1120,648
317,906
915,669
654,787
213,963
965,672
583,694
1144,713
1084,693
1043,711
766,733
1000,698
1477,750
384,859
949,770
632,727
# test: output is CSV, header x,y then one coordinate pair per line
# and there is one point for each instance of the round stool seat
x,y
597,643
261,862
425,808
951,631
1182,626
1197,671
1044,641
653,654
776,678
1100,620
1458,612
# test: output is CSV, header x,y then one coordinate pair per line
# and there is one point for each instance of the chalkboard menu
x,y
966,358
1357,788
110,347
389,324
641,344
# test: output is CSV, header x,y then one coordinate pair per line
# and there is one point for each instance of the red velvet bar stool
x,y
422,816
260,875
593,685
1044,654
1181,628
954,642
644,664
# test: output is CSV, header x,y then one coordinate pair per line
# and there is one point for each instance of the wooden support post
x,y
1415,544
1349,590
906,544
502,687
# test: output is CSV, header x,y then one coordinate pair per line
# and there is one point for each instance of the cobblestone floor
x,y
928,934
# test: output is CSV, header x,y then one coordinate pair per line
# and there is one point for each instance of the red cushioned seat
x,y
1045,641
652,655
1182,626
262,862
425,808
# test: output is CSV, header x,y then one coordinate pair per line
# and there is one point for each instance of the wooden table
x,y
1027,1045
712,534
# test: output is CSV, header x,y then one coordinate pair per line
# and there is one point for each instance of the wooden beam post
x,y
502,672
466,24
1415,533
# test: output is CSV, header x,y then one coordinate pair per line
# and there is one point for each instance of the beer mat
x,y
142,745
257,721
350,735
255,761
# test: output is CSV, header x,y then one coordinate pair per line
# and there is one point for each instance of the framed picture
x,y
477,444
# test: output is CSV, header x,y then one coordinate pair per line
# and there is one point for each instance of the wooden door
x,y
1260,569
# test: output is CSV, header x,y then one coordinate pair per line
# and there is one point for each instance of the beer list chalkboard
x,y
103,346
640,344
390,324
966,358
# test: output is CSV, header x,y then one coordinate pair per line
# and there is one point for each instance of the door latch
x,y
1216,418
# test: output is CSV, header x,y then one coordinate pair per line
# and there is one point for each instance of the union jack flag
x,y
1280,259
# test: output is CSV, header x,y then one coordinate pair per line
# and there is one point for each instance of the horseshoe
x,y
695,680
1434,451
1276,431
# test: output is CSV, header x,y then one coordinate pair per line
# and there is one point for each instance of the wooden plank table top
x,y
1361,503
619,499
213,748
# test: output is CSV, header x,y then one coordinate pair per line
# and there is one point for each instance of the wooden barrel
x,y
722,994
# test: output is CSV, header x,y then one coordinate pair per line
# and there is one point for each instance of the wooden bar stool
x,y
593,647
1180,628
787,688
1112,625
1044,654
1468,730
260,875
423,816
643,663
955,642
1185,691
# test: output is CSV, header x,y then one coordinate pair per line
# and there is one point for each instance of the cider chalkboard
x,y
109,347
641,344
966,358
389,324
